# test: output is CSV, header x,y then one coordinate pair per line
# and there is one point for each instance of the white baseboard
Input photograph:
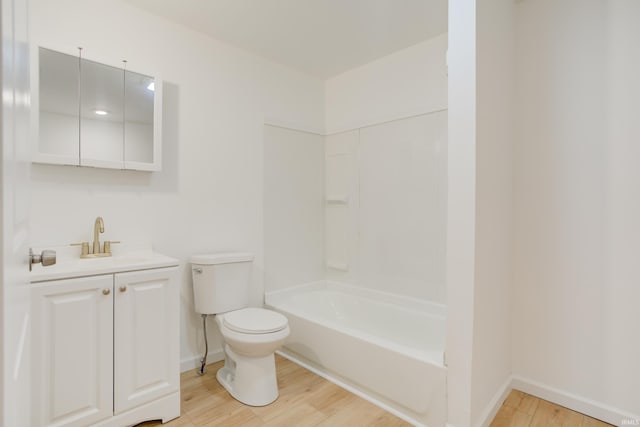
x,y
494,405
574,402
194,361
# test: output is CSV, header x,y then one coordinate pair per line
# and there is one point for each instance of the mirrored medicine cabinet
x,y
93,114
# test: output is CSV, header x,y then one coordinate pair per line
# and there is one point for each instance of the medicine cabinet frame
x,y
38,156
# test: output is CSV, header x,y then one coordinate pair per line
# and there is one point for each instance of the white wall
x,y
208,196
342,207
559,164
621,346
409,82
386,152
575,294
461,185
495,74
569,287
402,207
293,207
391,235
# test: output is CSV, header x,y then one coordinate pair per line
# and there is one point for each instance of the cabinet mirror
x,y
93,114
139,91
59,127
101,114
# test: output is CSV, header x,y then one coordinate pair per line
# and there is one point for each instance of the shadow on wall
x,y
165,181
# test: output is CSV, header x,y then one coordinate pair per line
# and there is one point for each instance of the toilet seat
x,y
254,321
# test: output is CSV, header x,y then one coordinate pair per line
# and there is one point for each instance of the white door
x,y
14,216
72,351
146,336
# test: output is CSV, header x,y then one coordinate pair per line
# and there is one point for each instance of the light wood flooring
x,y
305,400
309,400
522,410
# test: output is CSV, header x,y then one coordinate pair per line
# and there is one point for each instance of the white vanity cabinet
x,y
72,353
105,349
146,331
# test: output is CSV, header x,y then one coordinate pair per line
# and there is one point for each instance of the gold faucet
x,y
98,227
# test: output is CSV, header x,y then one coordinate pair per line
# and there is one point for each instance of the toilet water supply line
x,y
203,361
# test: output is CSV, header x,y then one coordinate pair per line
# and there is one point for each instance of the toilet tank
x,y
221,281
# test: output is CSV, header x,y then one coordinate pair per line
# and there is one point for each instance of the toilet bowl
x,y
251,337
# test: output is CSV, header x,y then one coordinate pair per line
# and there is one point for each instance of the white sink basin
x,y
116,260
70,265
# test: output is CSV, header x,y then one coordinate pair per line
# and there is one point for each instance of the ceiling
x,y
319,37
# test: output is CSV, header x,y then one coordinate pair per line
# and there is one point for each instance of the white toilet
x,y
252,335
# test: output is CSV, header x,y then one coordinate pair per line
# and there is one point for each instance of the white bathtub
x,y
388,348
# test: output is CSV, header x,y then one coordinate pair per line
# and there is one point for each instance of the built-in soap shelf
x,y
336,265
337,200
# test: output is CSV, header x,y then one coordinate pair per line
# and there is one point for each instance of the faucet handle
x,y
107,245
85,247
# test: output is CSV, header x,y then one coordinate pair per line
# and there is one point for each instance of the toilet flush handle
x,y
197,270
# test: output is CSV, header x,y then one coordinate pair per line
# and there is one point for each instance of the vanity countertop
x,y
70,265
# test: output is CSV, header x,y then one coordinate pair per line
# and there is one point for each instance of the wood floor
x,y
305,400
522,410
309,400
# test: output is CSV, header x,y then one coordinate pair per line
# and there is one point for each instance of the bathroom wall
x,y
622,198
386,208
386,173
293,207
409,82
573,202
341,163
577,204
495,92
461,203
208,196
480,199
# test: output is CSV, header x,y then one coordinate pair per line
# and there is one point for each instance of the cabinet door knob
x,y
123,288
106,291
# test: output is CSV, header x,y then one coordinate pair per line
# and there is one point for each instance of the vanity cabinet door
x,y
146,336
72,354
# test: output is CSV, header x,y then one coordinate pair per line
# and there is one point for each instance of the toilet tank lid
x,y
221,258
